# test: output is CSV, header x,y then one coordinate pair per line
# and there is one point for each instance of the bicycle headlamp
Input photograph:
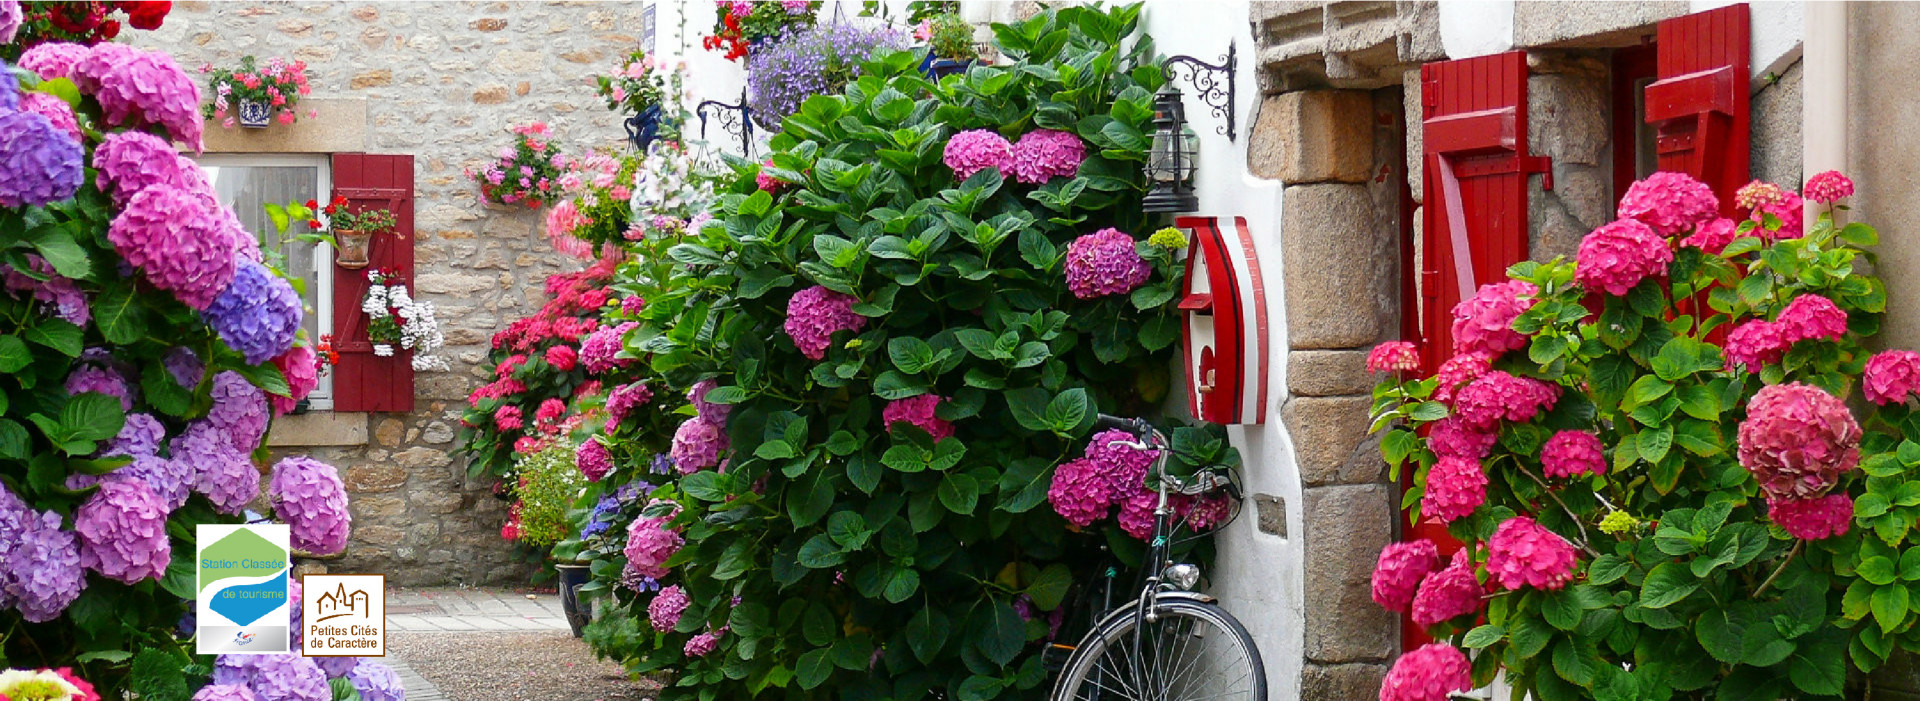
x,y
1182,576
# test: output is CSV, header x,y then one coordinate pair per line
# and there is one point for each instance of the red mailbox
x,y
1225,334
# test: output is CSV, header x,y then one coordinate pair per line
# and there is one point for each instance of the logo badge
x,y
343,615
241,580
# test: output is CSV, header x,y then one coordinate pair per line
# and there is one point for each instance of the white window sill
x,y
319,428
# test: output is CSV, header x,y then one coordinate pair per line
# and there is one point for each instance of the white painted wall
x,y
1779,28
1470,28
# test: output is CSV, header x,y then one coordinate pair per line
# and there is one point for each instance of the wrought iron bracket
x,y
735,119
1213,83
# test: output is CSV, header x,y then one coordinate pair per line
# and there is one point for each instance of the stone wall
x,y
442,81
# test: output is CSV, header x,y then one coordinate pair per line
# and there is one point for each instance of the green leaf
x,y
1029,406
62,252
1001,633
14,354
1654,443
1666,585
902,582
820,553
1069,410
117,312
1483,636
1890,606
1819,667
58,335
1049,588
92,416
813,668
1607,569
1879,571
848,529
1562,611
927,633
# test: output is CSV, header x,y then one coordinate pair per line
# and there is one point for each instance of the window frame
x,y
321,297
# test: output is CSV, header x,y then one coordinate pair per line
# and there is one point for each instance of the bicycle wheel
x,y
1192,651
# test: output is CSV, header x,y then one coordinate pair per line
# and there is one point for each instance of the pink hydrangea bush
x,y
1797,440
1393,356
1431,672
1484,324
815,314
1400,570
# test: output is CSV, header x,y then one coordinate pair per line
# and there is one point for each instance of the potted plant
x,y
396,321
816,60
638,91
548,486
741,25
254,96
526,173
353,231
949,41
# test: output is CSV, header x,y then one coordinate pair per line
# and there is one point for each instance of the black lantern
x,y
1170,159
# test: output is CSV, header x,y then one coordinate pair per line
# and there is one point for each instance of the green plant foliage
x,y
549,484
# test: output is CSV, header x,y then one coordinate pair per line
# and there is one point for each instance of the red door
x,y
1699,105
363,381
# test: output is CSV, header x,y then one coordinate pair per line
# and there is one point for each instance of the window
x,y
248,182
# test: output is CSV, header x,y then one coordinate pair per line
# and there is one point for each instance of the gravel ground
x,y
515,667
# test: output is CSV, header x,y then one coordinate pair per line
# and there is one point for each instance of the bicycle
x,y
1172,643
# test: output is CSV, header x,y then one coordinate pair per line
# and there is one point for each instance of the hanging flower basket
x,y
354,248
255,114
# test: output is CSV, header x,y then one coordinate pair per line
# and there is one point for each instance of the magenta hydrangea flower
x,y
376,682
697,445
1206,512
1393,356
1797,440
308,496
632,305
100,380
224,692
1452,437
1104,263
1398,572
1524,553
593,460
137,88
1811,316
1756,343
815,314
702,645
625,398
1484,324
1136,514
239,411
508,418
599,351
42,572
131,161
665,609
1044,154
1829,187
1498,395
1455,487
650,543
178,241
224,475
301,366
1818,518
975,150
258,313
1079,492
1458,371
1669,203
1618,255
562,357
1790,210
917,411
1572,454
123,532
1713,236
56,110
765,180
697,396
1431,672
10,19
1124,466
289,678
1447,594
52,59
39,162
1891,376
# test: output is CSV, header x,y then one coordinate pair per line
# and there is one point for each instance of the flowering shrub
x,y
277,87
887,368
807,61
24,25
948,36
145,345
396,321
526,173
741,25
637,87
1659,499
548,483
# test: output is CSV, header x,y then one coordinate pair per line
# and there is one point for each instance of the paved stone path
x,y
463,610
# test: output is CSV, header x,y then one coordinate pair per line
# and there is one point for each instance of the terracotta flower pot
x,y
354,247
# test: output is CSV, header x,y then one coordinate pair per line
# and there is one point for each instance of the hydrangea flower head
x,y
508,418
52,59
562,357
1207,511
1797,440
1079,492
1618,522
42,572
917,411
1713,236
650,543
1757,194
1124,466
1498,395
1458,371
1891,376
289,678
1669,202
1813,519
131,161
1455,487
1829,187
56,110
184,366
301,366
100,380
1170,238
1447,594
1618,255
224,692
1399,570
137,88
1811,316
815,314
308,495
697,445
44,684
258,313
1790,210
625,398
1044,154
702,645
1393,356
1136,514
376,682
1522,553
123,532
178,240
1484,324
1430,673
1453,437
1756,343
665,609
239,411
697,396
975,150
10,18
40,163
336,667
1572,454
1104,263
593,459
169,480
225,476
599,352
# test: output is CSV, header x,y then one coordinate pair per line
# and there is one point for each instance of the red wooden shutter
x,y
1474,133
1699,104
363,381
